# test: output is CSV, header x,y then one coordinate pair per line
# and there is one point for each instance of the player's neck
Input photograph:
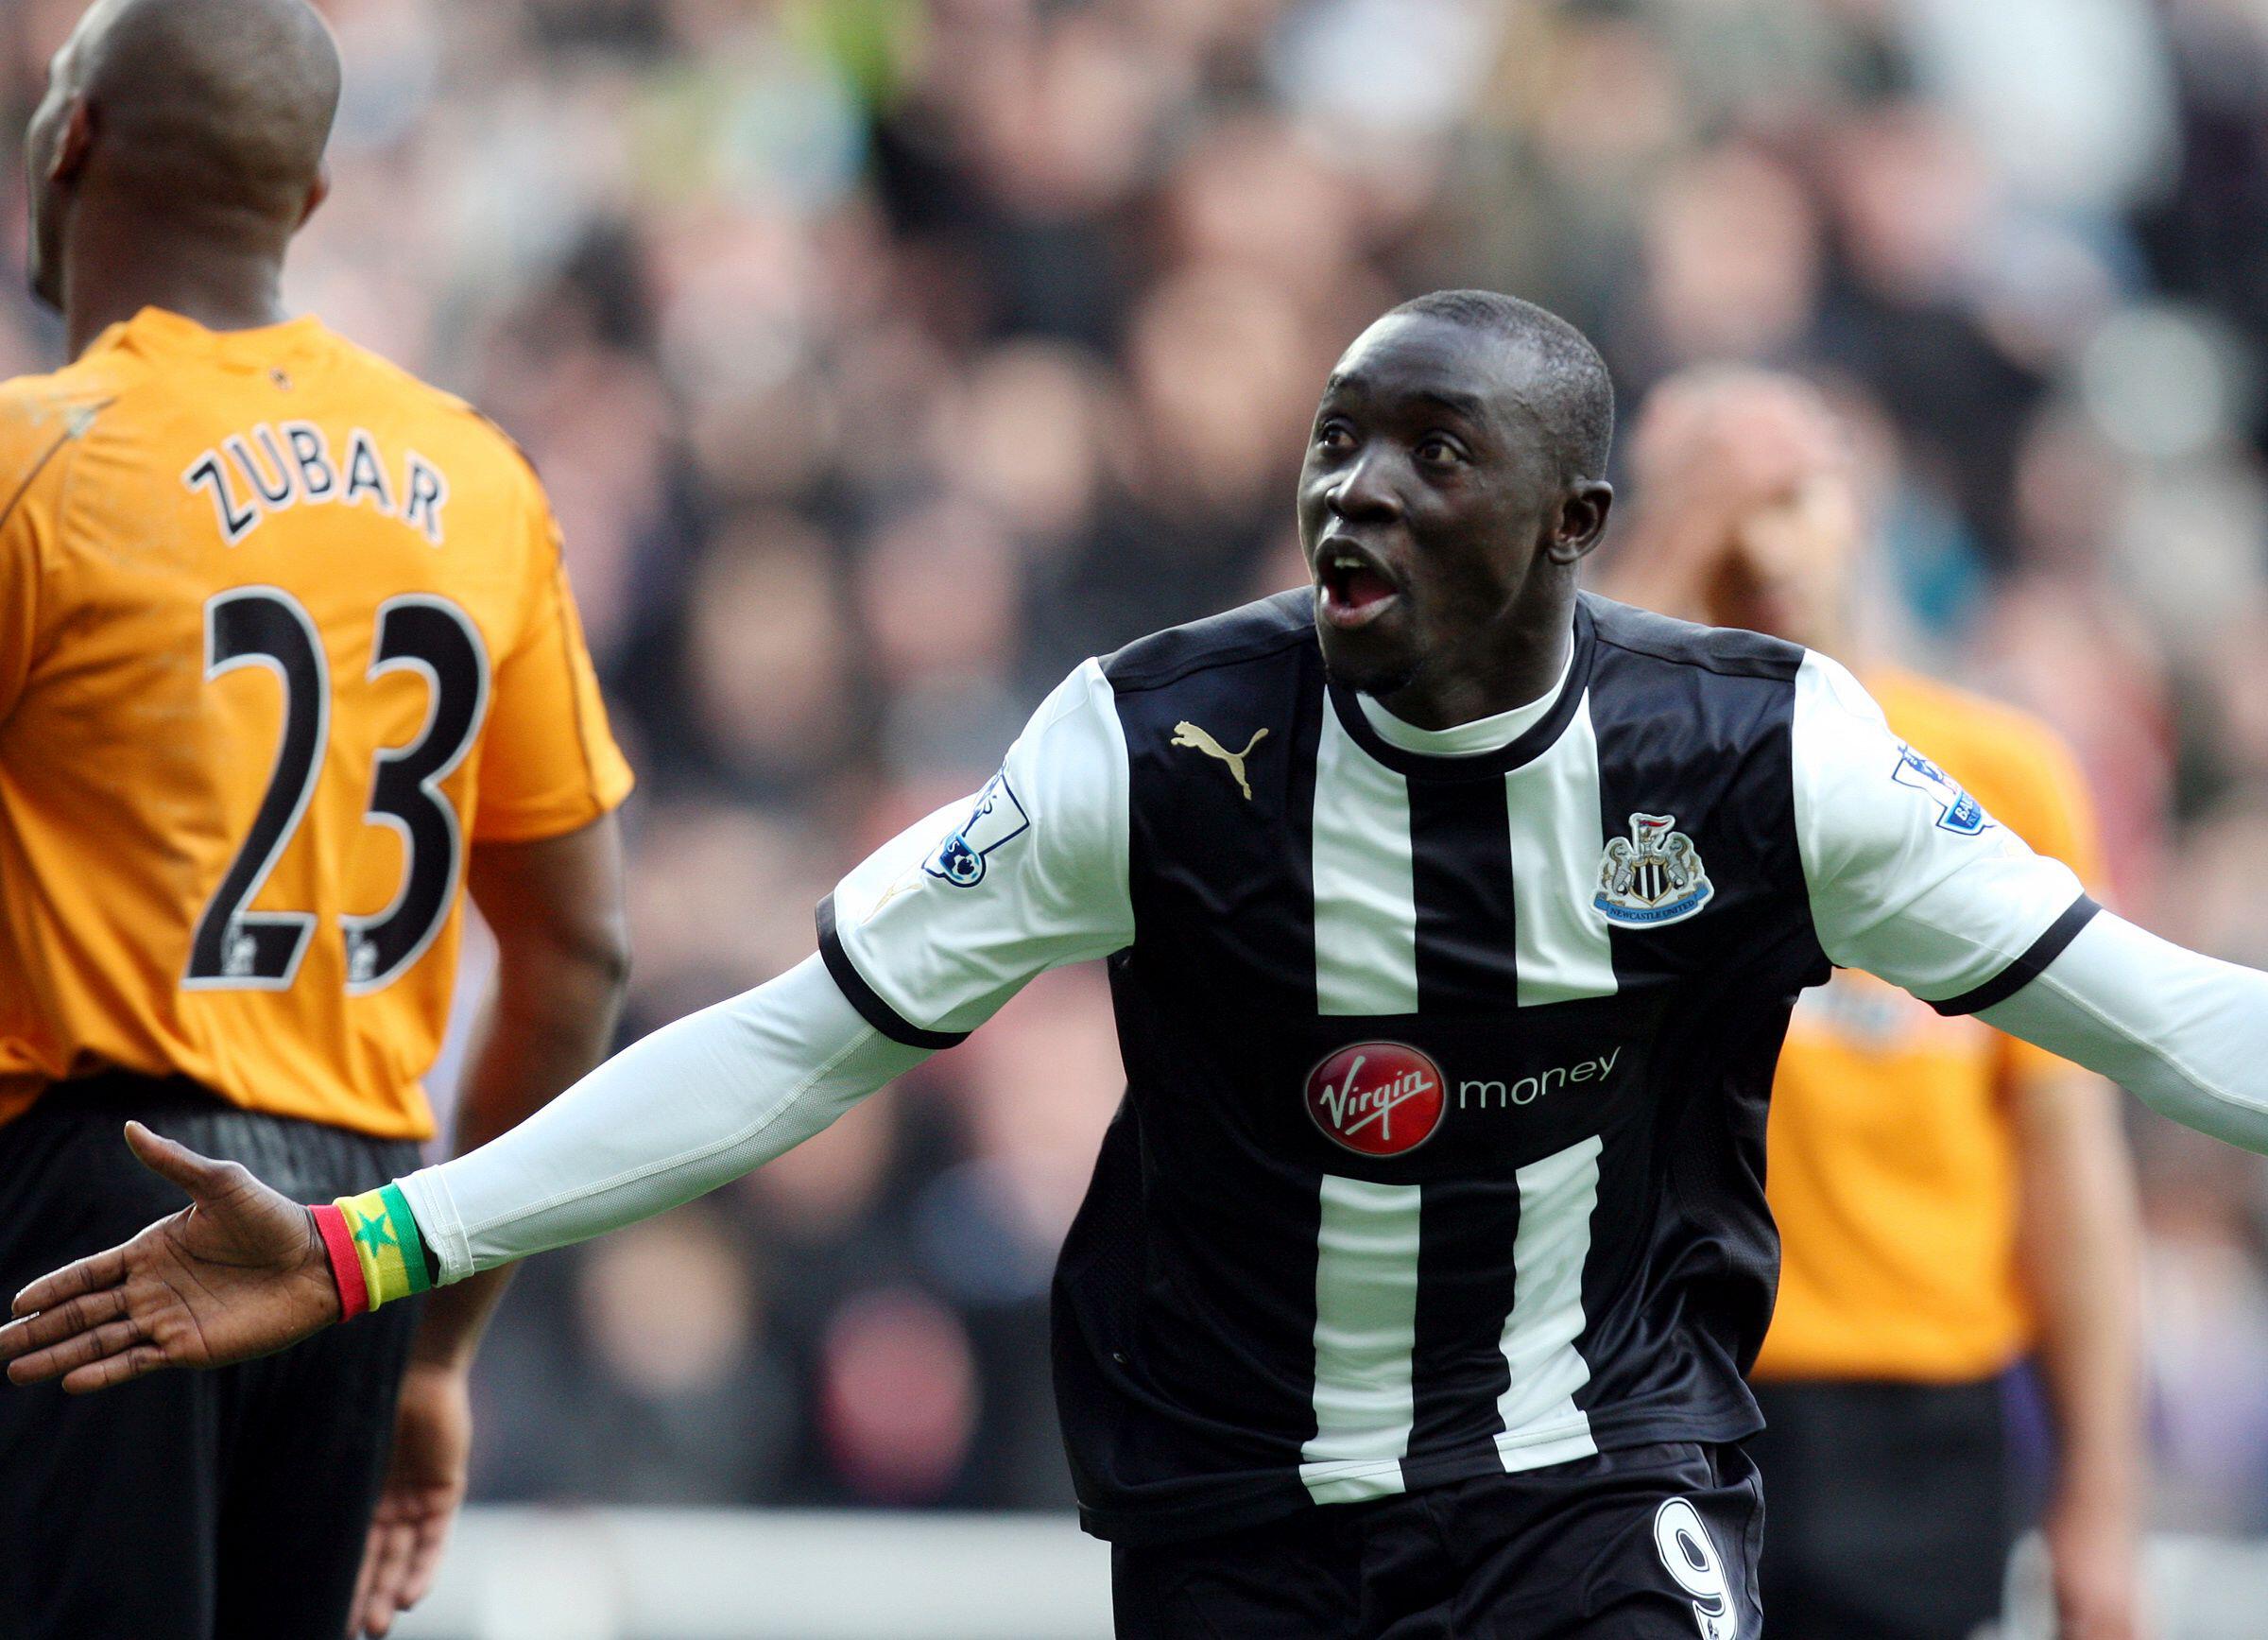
x,y
1514,666
1481,736
117,268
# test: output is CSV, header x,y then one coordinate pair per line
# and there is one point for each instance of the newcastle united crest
x,y
1652,877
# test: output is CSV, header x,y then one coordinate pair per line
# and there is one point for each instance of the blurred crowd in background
x,y
884,359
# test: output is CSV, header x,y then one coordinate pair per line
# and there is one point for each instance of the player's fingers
x,y
201,1175
32,1333
137,1362
373,1605
16,1339
102,1269
25,1368
78,1350
76,1315
425,1558
371,1539
67,1319
384,1600
393,1560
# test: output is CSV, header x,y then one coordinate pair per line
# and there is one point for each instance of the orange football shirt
x,y
1892,1162
282,630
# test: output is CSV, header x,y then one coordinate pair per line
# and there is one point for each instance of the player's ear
x,y
1581,521
318,191
76,143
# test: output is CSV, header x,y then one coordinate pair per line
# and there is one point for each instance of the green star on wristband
x,y
375,1233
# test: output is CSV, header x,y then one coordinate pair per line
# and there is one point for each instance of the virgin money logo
x,y
1377,1098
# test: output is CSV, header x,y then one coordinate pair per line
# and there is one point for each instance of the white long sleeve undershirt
x,y
2185,1035
694,1106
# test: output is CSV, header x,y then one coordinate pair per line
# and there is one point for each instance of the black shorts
x,y
1891,1508
186,1506
1654,1543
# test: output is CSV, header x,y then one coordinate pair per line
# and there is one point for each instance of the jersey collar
x,y
1530,744
1483,735
159,333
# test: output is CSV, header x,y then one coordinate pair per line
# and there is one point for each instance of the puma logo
x,y
1186,734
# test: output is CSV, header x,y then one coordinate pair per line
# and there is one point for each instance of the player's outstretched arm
x,y
239,1272
1910,879
244,1271
2186,1034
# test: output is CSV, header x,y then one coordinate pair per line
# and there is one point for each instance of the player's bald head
x,y
231,96
211,112
1566,383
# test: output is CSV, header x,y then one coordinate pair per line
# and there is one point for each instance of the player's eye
x,y
1334,437
1437,451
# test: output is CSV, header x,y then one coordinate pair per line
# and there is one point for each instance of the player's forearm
x,y
2081,1247
549,1020
691,1107
2187,1034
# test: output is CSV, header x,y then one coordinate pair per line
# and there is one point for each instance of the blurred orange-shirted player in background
x,y
1949,1199
286,661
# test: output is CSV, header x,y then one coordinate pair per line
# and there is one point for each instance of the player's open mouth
x,y
1355,590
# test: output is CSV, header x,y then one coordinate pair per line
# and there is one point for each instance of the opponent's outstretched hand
x,y
237,1273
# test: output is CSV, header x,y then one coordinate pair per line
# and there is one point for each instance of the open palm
x,y
237,1273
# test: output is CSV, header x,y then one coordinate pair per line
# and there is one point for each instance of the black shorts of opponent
x,y
1652,1542
186,1505
1892,1512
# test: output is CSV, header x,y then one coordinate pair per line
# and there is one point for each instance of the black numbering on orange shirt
x,y
241,950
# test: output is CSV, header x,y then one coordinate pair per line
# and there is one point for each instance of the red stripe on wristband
x,y
346,1269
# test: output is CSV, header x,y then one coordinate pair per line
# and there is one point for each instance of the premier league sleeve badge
x,y
997,818
1960,812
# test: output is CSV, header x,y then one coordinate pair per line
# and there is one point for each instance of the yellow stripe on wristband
x,y
387,1243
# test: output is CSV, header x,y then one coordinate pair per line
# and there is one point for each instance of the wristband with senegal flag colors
x,y
377,1252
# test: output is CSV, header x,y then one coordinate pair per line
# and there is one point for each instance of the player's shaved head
x,y
205,116
230,97
1570,389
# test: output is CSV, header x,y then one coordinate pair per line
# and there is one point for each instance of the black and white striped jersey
x,y
1442,1148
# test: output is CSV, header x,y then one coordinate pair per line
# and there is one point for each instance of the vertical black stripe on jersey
x,y
1461,878
1466,1288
